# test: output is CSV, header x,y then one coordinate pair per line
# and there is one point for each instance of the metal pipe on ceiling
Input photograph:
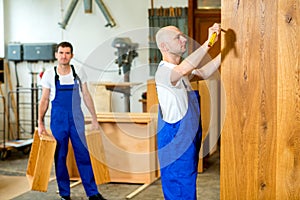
x,y
88,9
87,6
68,14
108,17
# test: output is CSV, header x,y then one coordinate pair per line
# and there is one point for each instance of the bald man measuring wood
x,y
179,130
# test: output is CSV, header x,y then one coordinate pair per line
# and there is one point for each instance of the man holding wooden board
x,y
62,86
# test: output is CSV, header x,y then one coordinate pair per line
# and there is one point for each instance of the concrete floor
x,y
208,183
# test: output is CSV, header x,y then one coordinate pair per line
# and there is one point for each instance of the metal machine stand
x,y
126,52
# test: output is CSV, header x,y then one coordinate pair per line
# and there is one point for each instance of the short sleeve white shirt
x,y
48,79
172,99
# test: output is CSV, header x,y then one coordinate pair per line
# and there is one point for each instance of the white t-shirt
x,y
173,100
48,79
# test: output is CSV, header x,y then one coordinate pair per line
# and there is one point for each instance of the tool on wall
x,y
88,9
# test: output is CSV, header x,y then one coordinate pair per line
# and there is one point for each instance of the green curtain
x,y
160,17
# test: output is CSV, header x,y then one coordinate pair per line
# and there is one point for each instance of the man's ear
x,y
164,47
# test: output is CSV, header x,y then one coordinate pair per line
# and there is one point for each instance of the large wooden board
x,y
97,155
288,89
129,144
260,72
40,161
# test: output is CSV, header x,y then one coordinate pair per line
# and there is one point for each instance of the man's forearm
x,y
190,63
90,105
207,70
43,107
196,57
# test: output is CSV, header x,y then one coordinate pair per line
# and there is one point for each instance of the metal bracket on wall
x,y
88,8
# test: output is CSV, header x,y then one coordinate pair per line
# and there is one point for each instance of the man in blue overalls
x,y
62,86
179,130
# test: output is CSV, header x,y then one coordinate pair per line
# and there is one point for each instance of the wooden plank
x,y
97,155
205,107
123,117
101,97
116,84
137,191
249,74
205,118
40,161
152,101
288,127
13,101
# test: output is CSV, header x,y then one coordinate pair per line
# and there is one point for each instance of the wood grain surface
x,y
288,88
260,72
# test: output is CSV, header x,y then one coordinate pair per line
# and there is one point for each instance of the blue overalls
x,y
178,152
67,121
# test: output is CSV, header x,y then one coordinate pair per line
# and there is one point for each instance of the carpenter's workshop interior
x,y
149,99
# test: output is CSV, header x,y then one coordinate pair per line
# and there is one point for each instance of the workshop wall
x,y
35,21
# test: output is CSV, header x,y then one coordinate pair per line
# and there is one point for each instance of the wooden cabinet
x,y
129,146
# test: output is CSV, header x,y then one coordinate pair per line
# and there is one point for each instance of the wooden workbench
x,y
129,141
121,87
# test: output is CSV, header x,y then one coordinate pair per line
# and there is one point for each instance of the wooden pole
x,y
13,101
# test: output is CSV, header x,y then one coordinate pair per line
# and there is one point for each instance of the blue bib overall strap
x,y
67,121
76,77
178,152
